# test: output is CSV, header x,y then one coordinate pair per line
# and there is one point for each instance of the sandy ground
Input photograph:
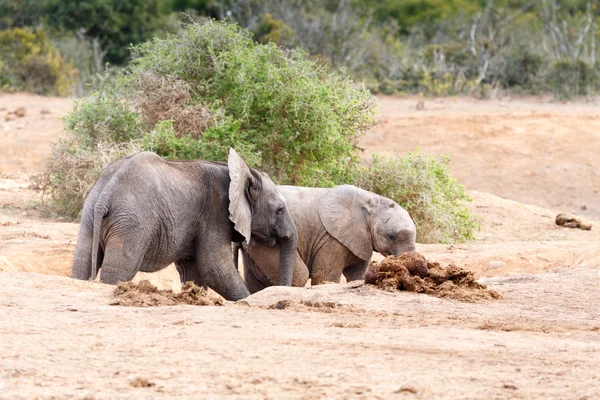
x,y
522,162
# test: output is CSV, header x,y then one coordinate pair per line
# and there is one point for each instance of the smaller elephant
x,y
338,229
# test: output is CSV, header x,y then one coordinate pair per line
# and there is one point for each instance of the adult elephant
x,y
144,213
338,229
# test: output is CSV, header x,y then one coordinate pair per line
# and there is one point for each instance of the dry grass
x,y
71,171
161,98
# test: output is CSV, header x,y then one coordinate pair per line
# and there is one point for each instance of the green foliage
x,y
103,117
272,30
574,78
424,13
424,186
115,23
28,61
21,13
284,113
214,144
304,119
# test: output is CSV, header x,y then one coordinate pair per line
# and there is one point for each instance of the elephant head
x,y
364,221
258,209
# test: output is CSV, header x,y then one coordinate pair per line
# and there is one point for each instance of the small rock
x,y
584,207
509,386
20,112
141,383
44,111
420,105
496,264
408,388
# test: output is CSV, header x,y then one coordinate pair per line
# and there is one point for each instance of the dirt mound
x,y
412,272
145,294
318,306
571,221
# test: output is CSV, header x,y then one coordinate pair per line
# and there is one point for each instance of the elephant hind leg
x,y
82,263
122,259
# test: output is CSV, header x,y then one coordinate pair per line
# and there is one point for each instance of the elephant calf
x,y
338,229
144,213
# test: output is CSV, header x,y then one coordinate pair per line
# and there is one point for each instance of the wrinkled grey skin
x,y
338,229
144,213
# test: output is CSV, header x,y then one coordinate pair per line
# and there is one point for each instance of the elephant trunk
x,y
287,258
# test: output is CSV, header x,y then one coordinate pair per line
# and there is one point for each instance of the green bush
x,y
423,185
102,117
302,120
574,78
29,62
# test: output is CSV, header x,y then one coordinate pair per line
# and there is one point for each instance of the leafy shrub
x,y
196,93
423,185
103,117
302,119
28,61
574,78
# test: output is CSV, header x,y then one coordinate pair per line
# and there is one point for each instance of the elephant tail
x,y
99,212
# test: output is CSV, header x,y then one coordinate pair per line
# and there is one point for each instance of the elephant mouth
x,y
264,239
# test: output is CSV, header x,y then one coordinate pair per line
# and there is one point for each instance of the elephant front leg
x,y
216,269
188,271
357,271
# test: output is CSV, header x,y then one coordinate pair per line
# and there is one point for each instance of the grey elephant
x,y
144,213
338,229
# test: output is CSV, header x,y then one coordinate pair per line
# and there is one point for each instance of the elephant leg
x,y
215,265
188,271
326,267
253,283
357,271
123,256
265,262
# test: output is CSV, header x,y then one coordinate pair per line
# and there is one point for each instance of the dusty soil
x,y
522,160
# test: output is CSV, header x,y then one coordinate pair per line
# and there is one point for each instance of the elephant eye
x,y
391,236
280,210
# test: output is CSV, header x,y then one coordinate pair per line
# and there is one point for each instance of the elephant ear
x,y
343,214
240,212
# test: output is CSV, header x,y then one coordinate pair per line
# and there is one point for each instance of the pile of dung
x,y
328,307
570,221
412,272
145,294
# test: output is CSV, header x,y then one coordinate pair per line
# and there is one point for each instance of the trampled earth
x,y
522,160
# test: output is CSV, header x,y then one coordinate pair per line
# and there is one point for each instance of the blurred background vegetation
x,y
433,47
276,79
